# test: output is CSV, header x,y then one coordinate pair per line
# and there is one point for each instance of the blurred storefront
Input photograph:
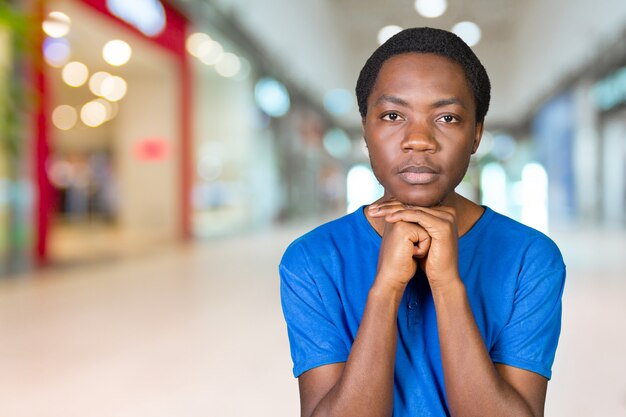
x,y
235,179
152,126
553,133
16,226
260,151
117,137
5,182
565,164
609,97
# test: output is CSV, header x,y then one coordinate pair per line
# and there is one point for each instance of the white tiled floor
x,y
197,331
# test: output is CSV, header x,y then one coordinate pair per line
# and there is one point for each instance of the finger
x,y
417,235
443,212
383,209
433,223
422,245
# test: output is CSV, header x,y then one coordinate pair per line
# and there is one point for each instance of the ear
x,y
477,136
363,129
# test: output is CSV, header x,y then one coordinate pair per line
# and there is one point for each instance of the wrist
x,y
385,289
447,289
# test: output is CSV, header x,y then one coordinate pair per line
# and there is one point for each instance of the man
x,y
423,303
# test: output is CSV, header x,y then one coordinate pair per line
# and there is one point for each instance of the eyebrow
x,y
392,99
401,102
447,102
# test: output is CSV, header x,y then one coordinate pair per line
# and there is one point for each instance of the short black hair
x,y
426,40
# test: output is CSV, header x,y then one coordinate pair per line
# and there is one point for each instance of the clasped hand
x,y
417,234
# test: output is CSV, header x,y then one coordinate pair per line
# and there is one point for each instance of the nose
x,y
419,137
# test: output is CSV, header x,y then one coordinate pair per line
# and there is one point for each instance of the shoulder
x,y
322,242
507,235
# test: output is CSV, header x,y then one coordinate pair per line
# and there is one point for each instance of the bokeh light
x,y
60,172
228,65
468,31
75,73
111,112
93,114
244,69
211,52
56,51
362,187
113,88
337,143
338,101
56,25
64,117
272,97
146,15
493,186
431,8
504,146
209,167
387,32
96,80
195,41
117,52
535,196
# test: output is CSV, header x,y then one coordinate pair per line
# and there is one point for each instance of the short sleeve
x,y
530,337
313,338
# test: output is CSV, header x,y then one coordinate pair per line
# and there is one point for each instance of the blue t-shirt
x,y
513,276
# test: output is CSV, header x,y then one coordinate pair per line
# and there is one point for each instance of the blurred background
x,y
157,157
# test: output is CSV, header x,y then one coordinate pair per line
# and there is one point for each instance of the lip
x,y
418,174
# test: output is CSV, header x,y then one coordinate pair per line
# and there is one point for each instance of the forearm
x,y
366,385
473,385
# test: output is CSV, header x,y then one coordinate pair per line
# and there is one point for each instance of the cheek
x,y
380,162
459,165
379,154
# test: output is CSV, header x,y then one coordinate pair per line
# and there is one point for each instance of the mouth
x,y
418,174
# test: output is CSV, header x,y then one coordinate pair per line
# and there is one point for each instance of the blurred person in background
x,y
422,303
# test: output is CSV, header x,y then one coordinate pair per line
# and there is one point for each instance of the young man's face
x,y
421,128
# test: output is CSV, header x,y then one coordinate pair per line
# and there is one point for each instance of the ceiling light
x,y
228,65
96,80
195,41
272,97
116,52
56,51
64,117
431,8
244,69
108,107
387,32
146,15
337,143
338,101
211,52
56,25
75,73
113,88
93,114
468,31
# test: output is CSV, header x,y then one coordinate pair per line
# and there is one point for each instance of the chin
x,y
419,199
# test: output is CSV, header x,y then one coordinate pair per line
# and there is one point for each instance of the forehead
x,y
421,72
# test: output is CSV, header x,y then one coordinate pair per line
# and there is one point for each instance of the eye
x,y
448,118
391,116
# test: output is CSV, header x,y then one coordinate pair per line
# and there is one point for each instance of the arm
x,y
363,386
474,385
